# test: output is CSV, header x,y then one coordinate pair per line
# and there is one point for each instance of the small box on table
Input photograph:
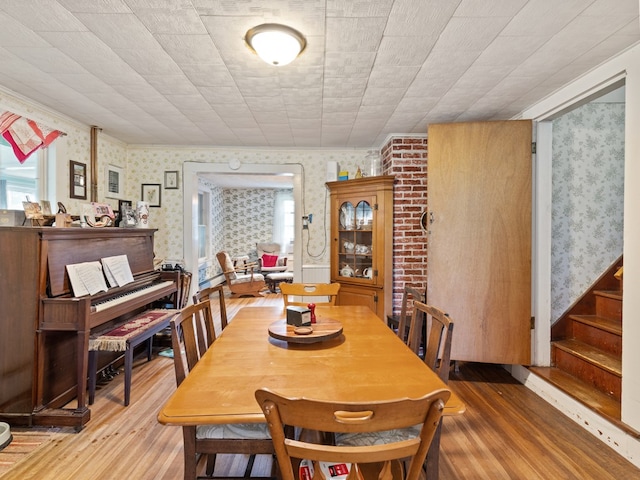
x,y
298,316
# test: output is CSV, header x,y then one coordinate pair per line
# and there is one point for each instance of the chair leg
x,y
190,460
431,463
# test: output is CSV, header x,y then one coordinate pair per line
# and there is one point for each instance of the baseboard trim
x,y
611,435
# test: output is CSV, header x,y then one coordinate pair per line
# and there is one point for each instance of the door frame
x,y
190,206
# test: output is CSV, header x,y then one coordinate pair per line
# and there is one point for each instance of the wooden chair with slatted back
x,y
437,354
361,418
326,293
400,323
190,341
208,294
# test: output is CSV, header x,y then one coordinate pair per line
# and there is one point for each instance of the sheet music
x,y
86,278
117,270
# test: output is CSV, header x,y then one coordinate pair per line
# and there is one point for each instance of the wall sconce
x,y
276,44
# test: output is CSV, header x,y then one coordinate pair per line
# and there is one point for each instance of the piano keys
x,y
45,329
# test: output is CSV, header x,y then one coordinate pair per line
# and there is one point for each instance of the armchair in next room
x,y
270,258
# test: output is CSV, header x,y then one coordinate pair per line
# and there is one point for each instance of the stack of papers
x,y
117,270
88,278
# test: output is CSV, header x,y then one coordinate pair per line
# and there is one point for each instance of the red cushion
x,y
269,260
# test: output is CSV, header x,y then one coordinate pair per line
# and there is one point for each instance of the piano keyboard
x,y
98,307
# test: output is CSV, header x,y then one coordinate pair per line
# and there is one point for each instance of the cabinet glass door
x,y
355,257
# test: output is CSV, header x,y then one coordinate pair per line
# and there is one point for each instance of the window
x,y
203,224
19,180
284,220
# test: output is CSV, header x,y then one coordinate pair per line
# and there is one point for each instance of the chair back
x,y
409,296
361,417
207,294
227,266
437,354
190,337
326,293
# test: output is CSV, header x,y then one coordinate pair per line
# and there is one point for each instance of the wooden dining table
x,y
366,362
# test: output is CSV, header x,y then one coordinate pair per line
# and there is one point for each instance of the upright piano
x,y
44,329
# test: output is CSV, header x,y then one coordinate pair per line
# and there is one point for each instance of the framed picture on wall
x,y
77,180
151,194
115,182
171,180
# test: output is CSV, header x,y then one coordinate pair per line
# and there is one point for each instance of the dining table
x,y
365,361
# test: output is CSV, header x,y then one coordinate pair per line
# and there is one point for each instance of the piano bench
x,y
125,338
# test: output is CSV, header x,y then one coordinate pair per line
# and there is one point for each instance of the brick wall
x,y
406,158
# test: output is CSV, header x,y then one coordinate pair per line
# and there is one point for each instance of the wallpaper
x,y
587,199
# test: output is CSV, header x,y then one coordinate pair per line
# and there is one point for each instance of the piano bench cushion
x,y
142,325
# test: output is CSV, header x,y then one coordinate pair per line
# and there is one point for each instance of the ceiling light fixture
x,y
276,44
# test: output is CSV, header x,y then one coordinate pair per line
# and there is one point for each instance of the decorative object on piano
x,y
77,180
115,182
100,211
126,214
33,212
142,215
63,219
171,180
151,194
46,207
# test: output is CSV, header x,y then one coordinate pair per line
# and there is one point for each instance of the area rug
x,y
25,442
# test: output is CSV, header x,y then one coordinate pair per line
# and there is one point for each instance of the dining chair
x,y
400,323
190,341
359,419
437,356
207,294
328,292
437,352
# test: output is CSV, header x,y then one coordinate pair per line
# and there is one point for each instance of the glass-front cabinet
x,y
361,247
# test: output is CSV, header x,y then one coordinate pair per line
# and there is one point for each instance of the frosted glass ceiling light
x,y
275,44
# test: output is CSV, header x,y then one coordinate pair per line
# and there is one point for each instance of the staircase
x,y
586,349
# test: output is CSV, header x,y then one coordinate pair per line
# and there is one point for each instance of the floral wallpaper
x,y
587,199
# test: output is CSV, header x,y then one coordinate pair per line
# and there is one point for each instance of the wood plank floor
x,y
507,432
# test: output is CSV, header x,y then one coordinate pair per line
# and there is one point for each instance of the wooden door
x,y
479,242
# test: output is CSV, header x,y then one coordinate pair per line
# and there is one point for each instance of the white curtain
x,y
283,219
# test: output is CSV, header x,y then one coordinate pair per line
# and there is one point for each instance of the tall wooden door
x,y
479,242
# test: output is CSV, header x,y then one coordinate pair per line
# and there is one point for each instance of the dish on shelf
x,y
346,218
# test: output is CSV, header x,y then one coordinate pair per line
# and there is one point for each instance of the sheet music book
x,y
117,270
86,278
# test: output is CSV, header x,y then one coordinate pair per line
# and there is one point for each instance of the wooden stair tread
x,y
603,323
591,354
592,398
615,294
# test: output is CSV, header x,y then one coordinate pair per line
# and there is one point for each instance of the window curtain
x,y
25,136
280,231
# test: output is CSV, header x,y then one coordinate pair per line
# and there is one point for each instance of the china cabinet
x,y
362,241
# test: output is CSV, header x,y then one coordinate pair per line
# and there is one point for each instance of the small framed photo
x,y
115,182
151,194
171,180
77,180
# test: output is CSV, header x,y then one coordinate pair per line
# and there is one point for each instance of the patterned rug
x,y
25,442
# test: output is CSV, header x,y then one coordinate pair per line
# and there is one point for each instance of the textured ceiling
x,y
177,72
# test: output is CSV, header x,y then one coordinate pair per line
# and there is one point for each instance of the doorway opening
x,y
234,176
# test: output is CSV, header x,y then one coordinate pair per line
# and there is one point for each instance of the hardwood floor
x,y
507,432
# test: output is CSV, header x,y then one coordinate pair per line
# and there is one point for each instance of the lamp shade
x,y
276,44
